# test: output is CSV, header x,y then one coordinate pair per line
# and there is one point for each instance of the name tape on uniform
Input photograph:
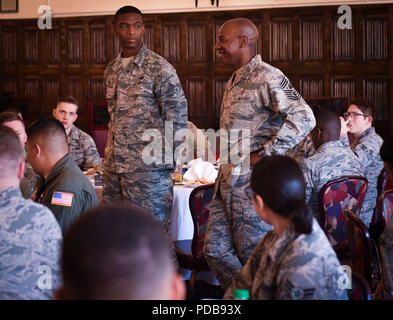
x,y
62,198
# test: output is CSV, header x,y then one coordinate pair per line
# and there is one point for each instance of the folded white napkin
x,y
202,171
195,161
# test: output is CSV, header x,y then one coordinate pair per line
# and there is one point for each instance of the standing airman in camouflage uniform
x,y
330,161
29,233
143,92
260,100
360,116
81,145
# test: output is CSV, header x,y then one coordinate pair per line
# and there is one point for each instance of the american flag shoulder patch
x,y
62,198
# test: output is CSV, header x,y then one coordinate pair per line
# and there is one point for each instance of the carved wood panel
x,y
375,39
343,43
310,88
196,41
98,43
31,46
343,88
51,94
280,39
376,90
311,39
31,89
75,44
51,45
9,45
170,41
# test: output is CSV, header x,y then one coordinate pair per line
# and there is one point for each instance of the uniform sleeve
x,y
245,277
90,153
298,118
219,248
307,172
172,101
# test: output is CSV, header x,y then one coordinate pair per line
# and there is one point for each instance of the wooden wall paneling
x,y
312,86
375,38
280,39
343,42
10,84
219,88
10,45
30,48
343,87
75,44
51,49
311,38
196,97
148,37
376,90
31,90
171,43
97,42
196,42
96,91
51,90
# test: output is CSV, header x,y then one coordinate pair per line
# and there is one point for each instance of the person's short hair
x,y
280,182
366,106
124,10
68,99
8,116
328,121
11,151
116,253
48,130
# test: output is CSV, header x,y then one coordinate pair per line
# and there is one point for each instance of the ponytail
x,y
301,217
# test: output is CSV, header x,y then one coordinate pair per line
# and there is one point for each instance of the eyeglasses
x,y
249,193
348,115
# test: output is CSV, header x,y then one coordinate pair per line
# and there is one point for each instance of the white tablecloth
x,y
182,227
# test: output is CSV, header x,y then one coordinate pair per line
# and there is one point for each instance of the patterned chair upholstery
x,y
337,195
200,200
363,250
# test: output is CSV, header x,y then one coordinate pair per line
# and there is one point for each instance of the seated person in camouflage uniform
x,y
360,116
331,159
118,253
14,121
385,288
62,186
295,260
29,234
81,145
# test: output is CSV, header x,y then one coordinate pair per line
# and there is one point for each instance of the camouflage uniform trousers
x,y
152,190
234,229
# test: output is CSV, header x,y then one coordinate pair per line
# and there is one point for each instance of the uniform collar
x,y
281,242
137,59
73,133
10,192
64,163
245,71
329,144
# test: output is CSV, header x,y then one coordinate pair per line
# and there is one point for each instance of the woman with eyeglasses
x,y
294,260
359,119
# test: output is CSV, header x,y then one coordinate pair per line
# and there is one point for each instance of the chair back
x,y
200,200
360,289
363,251
383,212
347,192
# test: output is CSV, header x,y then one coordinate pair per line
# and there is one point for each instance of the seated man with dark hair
x,y
331,159
118,253
359,118
82,146
29,234
62,186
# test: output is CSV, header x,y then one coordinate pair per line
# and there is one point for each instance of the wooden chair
x,y
360,288
383,212
363,250
200,200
